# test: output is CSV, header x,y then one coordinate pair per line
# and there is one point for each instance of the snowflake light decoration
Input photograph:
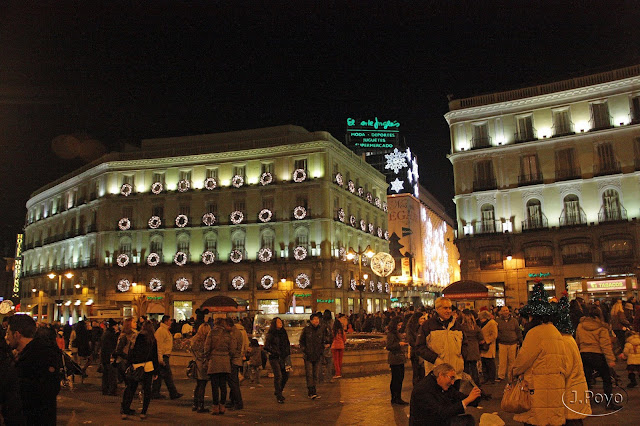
x,y
396,160
352,221
266,178
184,185
377,202
237,217
380,233
341,215
154,222
265,215
302,280
267,282
237,282
360,191
153,259
209,283
369,197
182,220
180,258
363,225
353,284
299,175
210,183
299,253
124,285
351,186
338,281
157,187
182,284
416,191
208,219
237,181
155,284
124,224
208,257
123,260
397,185
299,213
126,189
265,254
339,179
236,256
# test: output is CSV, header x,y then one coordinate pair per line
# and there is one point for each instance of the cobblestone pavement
x,y
347,401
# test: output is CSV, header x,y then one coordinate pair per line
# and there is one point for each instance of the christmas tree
x,y
562,320
538,302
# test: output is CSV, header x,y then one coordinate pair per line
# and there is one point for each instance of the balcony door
x,y
611,204
534,213
488,219
572,209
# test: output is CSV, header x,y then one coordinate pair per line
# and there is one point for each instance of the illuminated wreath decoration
x,y
180,258
237,217
157,187
339,179
341,215
300,253
383,264
182,221
353,284
351,186
380,287
369,197
267,282
265,215
155,284
124,223
380,233
124,285
208,219
377,202
386,235
299,212
339,281
126,189
237,282
387,288
208,257
352,221
184,185
303,281
182,284
210,283
363,225
384,206
236,256
154,222
360,191
372,287
299,175
266,178
265,254
153,259
123,260
210,183
237,181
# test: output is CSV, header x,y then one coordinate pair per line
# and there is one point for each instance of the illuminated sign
x,y
298,296
372,133
478,295
324,300
155,297
17,268
608,285
540,275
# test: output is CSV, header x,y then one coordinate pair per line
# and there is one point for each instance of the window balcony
x,y
575,258
538,261
532,179
618,255
484,184
573,218
488,227
480,142
564,130
600,123
611,214
526,135
491,264
535,223
568,174
608,168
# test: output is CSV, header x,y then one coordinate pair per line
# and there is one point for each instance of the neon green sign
x,y
154,297
302,295
325,300
540,275
375,124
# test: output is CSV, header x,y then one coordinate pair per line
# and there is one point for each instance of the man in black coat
x,y
435,401
313,340
109,341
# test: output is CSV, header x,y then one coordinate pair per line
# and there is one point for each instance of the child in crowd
x,y
257,359
632,355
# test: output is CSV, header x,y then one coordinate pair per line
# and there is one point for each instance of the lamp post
x,y
52,275
352,255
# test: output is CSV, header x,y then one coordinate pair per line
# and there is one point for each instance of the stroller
x,y
69,370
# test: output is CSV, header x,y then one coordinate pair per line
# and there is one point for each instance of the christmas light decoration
x,y
384,207
397,185
180,258
155,284
396,160
265,254
265,215
386,235
372,229
208,219
299,175
341,215
182,221
363,225
353,284
157,187
352,221
338,281
266,178
153,259
210,183
126,189
236,256
237,181
209,283
124,224
208,257
299,212
380,233
182,284
339,179
237,217
342,253
372,287
267,282
299,253
382,264
360,191
369,197
124,285
302,280
351,186
380,287
154,222
377,202
237,282
123,260
387,288
184,185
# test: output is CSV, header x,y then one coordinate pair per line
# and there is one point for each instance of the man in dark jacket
x,y
108,344
435,401
38,367
313,340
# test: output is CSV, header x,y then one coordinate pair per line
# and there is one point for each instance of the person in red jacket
x,y
337,347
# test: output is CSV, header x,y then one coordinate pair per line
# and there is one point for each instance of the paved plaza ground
x,y
352,400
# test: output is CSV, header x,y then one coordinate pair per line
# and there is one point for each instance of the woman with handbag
x,y
201,370
143,363
279,350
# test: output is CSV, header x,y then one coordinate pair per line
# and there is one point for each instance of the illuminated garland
x,y
339,281
384,206
157,187
372,229
123,260
377,202
300,253
354,260
208,257
342,253
386,235
353,284
237,217
265,254
380,233
360,191
124,285
153,259
351,186
387,288
352,221
126,189
363,225
369,197
180,258
236,256
237,181
182,221
265,215
210,283
155,284
299,175
341,215
124,223
154,222
184,185
303,281
372,287
210,183
267,282
208,219
182,284
380,287
299,212
237,282
266,178
339,179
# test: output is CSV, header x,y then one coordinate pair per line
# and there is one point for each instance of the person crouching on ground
x,y
396,360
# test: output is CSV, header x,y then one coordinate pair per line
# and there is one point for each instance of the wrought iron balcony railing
x,y
481,142
535,223
531,179
567,174
572,218
488,227
484,184
607,168
526,135
608,214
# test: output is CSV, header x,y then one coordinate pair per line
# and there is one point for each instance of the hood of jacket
x,y
634,339
591,324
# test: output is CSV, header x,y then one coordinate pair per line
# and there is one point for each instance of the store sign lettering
x,y
302,295
351,122
17,267
155,297
606,285
540,275
324,300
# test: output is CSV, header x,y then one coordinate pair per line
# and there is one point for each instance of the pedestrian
x,y
10,402
164,340
202,374
256,359
327,356
143,355
109,341
337,347
488,353
80,342
313,341
219,348
38,364
509,338
413,325
619,323
123,346
632,354
237,361
396,359
279,350
471,352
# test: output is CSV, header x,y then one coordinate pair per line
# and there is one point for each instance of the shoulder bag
x,y
517,397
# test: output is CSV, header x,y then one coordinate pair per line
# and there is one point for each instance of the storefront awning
x,y
466,289
220,303
155,308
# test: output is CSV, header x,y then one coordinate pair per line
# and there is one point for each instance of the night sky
x,y
107,73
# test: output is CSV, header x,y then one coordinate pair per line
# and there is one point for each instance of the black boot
x,y
632,380
194,407
201,408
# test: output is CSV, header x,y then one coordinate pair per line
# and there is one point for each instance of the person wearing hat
x,y
109,341
542,363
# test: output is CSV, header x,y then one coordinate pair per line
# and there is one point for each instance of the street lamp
x,y
52,275
352,255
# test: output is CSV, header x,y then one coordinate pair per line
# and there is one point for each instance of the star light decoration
x,y
302,280
267,282
396,161
237,282
209,283
153,259
155,284
124,285
210,183
265,254
397,185
182,284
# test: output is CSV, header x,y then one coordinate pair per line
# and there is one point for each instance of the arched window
x,y
267,239
125,246
211,242
155,245
183,243
534,215
611,208
571,214
488,223
237,240
302,236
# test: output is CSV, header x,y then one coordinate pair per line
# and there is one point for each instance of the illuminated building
x,y
546,184
259,215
